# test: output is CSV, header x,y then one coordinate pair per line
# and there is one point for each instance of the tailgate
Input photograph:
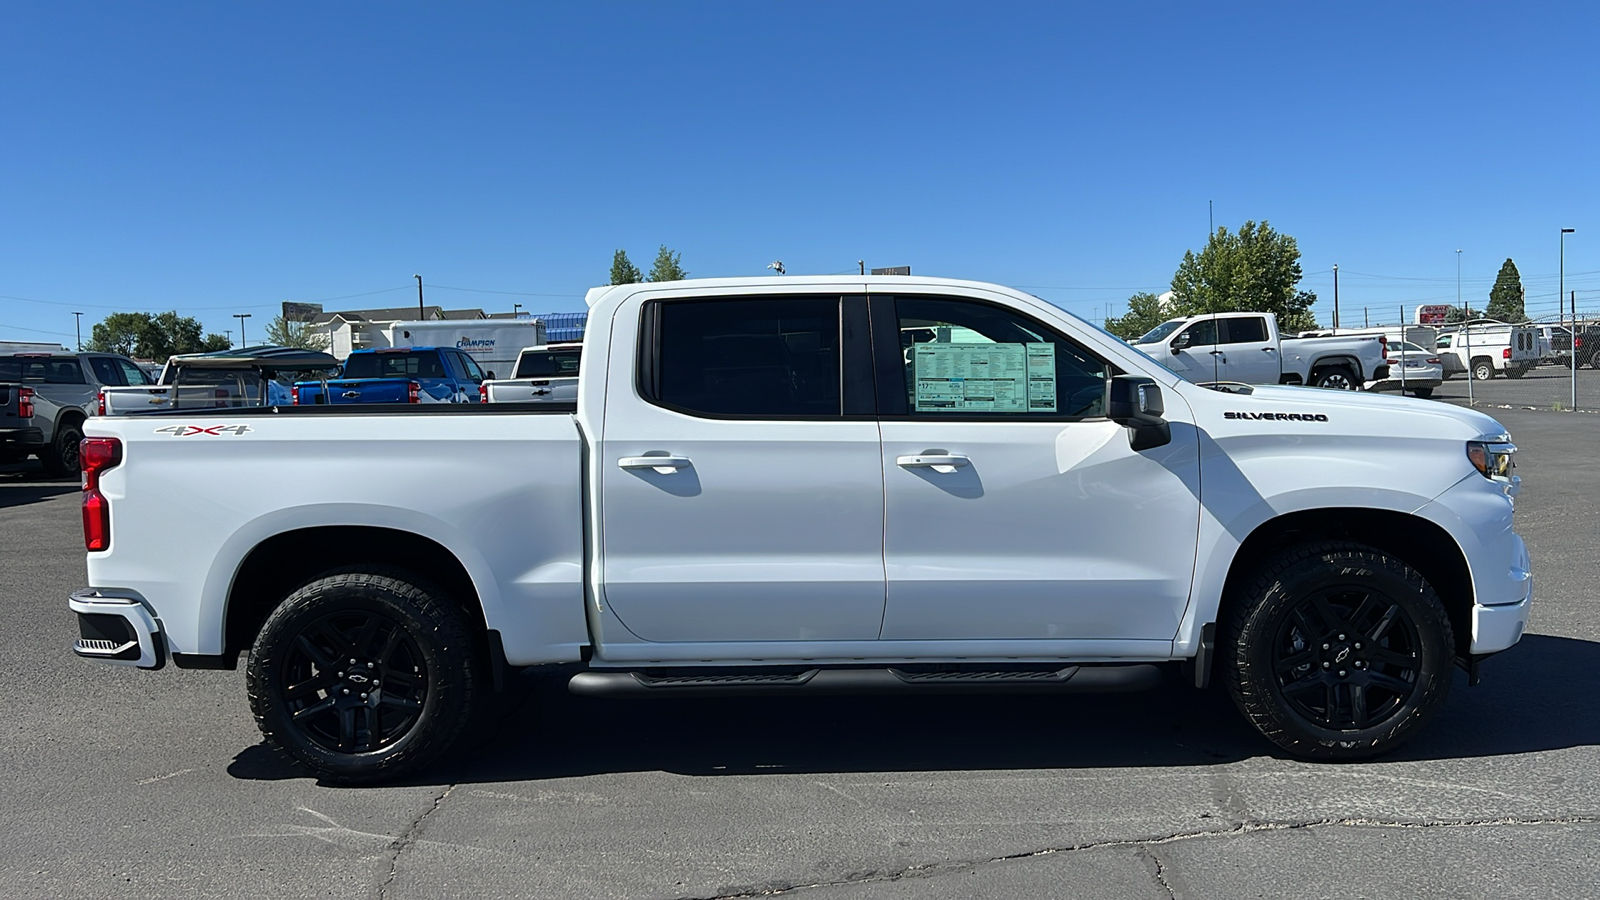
x,y
358,390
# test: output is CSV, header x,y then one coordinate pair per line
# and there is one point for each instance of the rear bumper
x,y
21,438
116,629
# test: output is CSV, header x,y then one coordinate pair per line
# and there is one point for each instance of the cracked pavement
x,y
139,784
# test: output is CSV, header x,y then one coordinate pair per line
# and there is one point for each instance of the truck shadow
x,y
1537,696
26,482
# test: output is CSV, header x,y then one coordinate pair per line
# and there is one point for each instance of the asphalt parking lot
x,y
121,783
1544,387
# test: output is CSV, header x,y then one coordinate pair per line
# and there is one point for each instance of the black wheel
x,y
61,457
1482,369
1423,393
1338,651
363,674
1338,378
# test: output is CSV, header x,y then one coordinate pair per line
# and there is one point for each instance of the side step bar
x,y
812,682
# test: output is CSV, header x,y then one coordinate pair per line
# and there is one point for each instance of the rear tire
x,y
1422,393
61,457
1516,371
1482,368
1338,378
393,710
1337,651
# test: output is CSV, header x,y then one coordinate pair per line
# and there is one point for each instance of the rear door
x,y
1249,353
1013,508
742,489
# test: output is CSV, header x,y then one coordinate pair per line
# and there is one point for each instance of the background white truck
x,y
547,374
774,486
1486,348
1245,347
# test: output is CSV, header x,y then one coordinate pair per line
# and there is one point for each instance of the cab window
x,y
967,358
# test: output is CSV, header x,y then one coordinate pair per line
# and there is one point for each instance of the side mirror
x,y
1181,341
1135,403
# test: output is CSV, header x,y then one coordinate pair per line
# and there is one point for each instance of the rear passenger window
x,y
752,358
1248,330
105,370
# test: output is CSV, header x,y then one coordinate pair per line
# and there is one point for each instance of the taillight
x,y
25,402
1385,342
101,410
413,393
294,395
96,455
1506,353
1576,343
483,393
1432,360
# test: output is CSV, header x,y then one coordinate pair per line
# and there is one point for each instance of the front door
x,y
1249,355
1013,508
742,488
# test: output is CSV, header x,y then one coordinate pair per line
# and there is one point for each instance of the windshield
x,y
548,363
1159,333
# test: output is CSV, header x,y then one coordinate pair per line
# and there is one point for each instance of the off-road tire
x,y
61,457
389,621
1277,612
1338,378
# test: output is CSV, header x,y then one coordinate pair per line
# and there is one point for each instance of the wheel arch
x,y
284,561
1416,541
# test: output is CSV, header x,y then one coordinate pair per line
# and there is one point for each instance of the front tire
x,y
1337,651
363,674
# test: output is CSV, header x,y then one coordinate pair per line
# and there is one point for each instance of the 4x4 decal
x,y
212,430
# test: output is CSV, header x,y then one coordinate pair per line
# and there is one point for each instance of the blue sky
x,y
223,157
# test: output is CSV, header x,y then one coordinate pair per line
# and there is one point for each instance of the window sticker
x,y
985,377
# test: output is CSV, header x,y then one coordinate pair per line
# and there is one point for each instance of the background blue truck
x,y
399,375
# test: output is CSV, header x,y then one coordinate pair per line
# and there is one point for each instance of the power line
x,y
446,287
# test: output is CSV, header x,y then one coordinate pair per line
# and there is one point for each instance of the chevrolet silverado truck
x,y
63,389
1245,348
547,373
812,485
398,375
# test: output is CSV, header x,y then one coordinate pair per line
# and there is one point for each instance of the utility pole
x,y
516,310
420,314
1336,296
1572,346
1211,221
241,317
77,322
228,333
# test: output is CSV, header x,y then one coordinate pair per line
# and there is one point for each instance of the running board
x,y
1071,679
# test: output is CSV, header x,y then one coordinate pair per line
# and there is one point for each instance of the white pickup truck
x,y
544,374
1245,348
784,486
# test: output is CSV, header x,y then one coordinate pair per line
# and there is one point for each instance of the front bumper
x,y
1496,627
116,629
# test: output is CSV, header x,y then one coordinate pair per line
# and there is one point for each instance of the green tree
x,y
284,333
154,337
1461,314
667,267
1144,313
1255,270
623,271
1505,298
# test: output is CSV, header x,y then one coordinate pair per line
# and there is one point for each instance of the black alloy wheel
x,y
1337,651
364,674
354,682
1346,656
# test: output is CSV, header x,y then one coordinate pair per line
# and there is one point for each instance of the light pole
x,y
241,317
1466,330
420,314
228,333
77,323
516,309
1336,297
1572,345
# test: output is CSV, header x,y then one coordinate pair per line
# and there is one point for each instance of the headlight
x,y
1493,460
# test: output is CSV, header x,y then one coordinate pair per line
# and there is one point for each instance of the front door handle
x,y
944,464
665,465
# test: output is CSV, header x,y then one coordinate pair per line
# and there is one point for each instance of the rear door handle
x,y
665,465
945,464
